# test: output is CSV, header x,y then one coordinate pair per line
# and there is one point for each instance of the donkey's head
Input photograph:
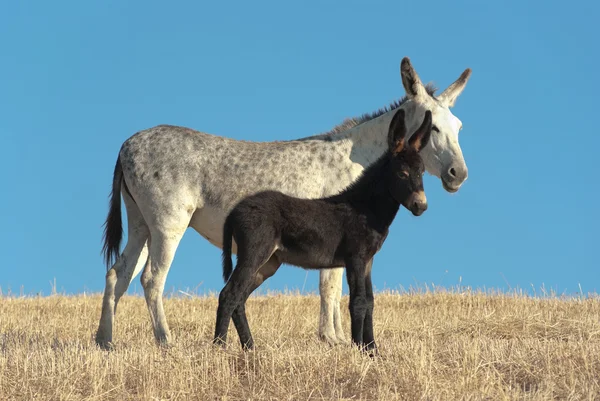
x,y
406,165
443,157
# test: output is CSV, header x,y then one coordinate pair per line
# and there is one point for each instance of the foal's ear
x,y
397,132
421,136
410,80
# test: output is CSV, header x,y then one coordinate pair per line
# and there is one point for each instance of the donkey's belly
x,y
208,222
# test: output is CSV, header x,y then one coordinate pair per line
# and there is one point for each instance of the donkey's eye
x,y
403,174
435,128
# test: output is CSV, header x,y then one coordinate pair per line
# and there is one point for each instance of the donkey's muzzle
x,y
417,203
454,177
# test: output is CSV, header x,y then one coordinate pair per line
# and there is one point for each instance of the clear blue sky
x,y
77,78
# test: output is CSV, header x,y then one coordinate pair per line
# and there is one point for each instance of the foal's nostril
x,y
418,208
452,172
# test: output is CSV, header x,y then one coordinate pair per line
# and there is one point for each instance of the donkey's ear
x,y
421,136
397,132
410,80
448,97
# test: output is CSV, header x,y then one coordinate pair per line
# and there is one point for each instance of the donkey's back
x,y
170,168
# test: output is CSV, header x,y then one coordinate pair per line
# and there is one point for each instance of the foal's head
x,y
406,165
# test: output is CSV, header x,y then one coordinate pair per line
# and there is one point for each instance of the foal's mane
x,y
366,184
352,122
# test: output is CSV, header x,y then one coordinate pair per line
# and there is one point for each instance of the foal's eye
x,y
403,174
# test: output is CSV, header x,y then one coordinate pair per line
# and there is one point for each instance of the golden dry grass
x,y
434,346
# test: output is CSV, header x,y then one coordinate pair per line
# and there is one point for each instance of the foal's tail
x,y
227,244
113,229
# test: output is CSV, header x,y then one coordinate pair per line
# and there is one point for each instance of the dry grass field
x,y
434,346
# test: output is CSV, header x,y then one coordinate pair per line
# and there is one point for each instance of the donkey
x,y
271,228
172,178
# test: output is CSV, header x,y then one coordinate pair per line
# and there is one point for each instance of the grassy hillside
x,y
434,346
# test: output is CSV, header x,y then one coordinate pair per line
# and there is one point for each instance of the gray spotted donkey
x,y
172,178
347,229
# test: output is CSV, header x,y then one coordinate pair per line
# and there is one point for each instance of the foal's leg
x,y
163,244
330,321
252,254
368,337
239,314
355,272
127,266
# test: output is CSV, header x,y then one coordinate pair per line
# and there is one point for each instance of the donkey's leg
x,y
128,265
136,229
330,322
239,314
368,337
163,244
355,273
337,316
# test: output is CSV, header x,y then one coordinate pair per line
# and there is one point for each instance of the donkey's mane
x,y
352,122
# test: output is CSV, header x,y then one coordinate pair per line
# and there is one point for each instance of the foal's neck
x,y
370,195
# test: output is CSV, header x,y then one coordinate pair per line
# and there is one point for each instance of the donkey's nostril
x,y
452,172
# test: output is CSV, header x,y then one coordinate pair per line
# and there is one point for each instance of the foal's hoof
x,y
249,346
367,349
219,342
373,352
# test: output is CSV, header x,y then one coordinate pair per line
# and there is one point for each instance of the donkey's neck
x,y
370,127
370,132
370,195
364,137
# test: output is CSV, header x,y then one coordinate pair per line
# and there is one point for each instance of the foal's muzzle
x,y
417,203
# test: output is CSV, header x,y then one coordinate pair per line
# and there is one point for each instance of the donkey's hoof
x,y
342,339
166,345
163,340
105,345
103,342
331,339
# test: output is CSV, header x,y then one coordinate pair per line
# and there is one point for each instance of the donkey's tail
x,y
227,244
113,229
